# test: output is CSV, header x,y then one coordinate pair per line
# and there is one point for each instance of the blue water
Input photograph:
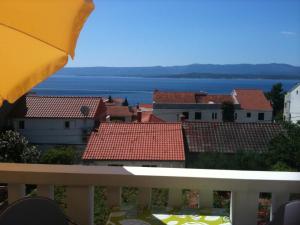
x,y
139,90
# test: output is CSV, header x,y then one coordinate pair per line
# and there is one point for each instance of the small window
x,y
248,115
214,115
261,116
297,92
67,124
186,115
198,115
22,124
235,116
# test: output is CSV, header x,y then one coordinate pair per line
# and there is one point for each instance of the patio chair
x,y
34,211
287,214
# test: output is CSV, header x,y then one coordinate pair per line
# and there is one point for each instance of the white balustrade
x,y
80,181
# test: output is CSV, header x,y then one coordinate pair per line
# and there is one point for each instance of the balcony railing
x,y
245,186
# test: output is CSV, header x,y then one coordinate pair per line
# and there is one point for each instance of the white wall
x,y
173,115
292,105
53,131
170,164
242,116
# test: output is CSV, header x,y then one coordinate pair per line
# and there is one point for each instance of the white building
x,y
49,120
292,105
250,106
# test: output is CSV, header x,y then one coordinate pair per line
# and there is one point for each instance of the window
x,y
186,115
22,124
198,115
261,116
248,115
214,115
235,116
297,92
67,124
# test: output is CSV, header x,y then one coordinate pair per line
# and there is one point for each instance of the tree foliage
x,y
276,96
228,111
125,103
15,148
110,100
284,150
61,155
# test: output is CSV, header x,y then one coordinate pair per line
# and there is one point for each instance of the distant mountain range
x,y
263,71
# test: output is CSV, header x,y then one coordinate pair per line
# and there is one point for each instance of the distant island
x,y
229,71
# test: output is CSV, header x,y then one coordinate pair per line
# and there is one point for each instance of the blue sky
x,y
179,32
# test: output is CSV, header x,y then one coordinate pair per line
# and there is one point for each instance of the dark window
x,y
214,115
261,116
198,115
297,92
186,115
248,115
67,124
21,124
235,116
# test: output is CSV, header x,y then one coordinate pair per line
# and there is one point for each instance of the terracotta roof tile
x,y
136,141
252,99
173,97
229,137
58,107
217,99
122,111
148,117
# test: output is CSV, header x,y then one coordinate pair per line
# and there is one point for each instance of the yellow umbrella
x,y
36,37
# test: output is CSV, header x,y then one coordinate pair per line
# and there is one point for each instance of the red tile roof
x,y
58,107
148,117
148,106
136,141
118,111
229,137
252,99
217,99
189,98
174,97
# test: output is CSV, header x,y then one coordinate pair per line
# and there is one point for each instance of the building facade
x,y
250,106
51,120
292,105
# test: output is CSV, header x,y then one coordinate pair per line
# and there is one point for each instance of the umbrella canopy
x,y
36,38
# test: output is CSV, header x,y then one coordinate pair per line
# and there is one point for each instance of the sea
x,y
140,89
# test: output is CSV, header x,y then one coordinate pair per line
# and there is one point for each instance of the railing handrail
x,y
149,177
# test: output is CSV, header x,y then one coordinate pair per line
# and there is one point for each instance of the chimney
x,y
107,118
139,116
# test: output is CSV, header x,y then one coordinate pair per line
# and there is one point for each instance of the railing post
x,y
244,207
15,192
114,195
144,197
46,191
278,198
80,204
206,198
175,197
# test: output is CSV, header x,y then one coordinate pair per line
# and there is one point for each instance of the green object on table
x,y
169,217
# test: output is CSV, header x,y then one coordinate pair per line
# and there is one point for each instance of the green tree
x,y
61,155
276,96
110,100
15,148
284,150
125,103
228,111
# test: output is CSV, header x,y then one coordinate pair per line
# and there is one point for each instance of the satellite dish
x,y
85,110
